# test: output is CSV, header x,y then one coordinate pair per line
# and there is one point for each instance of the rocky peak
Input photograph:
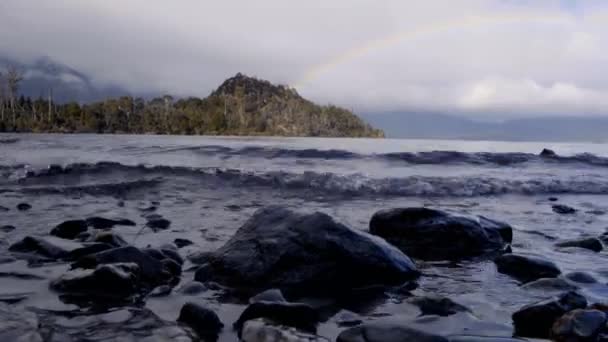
x,y
243,85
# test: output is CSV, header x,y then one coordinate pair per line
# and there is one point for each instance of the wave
x,y
96,189
414,158
317,183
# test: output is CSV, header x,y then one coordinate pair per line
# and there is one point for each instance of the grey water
x,y
208,186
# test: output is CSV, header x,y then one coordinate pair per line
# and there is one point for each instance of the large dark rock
x,y
563,209
547,153
536,320
153,271
579,325
387,332
47,248
158,223
24,206
526,268
110,281
436,235
283,249
70,229
297,315
202,320
105,223
593,244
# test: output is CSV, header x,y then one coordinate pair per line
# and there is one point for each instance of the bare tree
x,y
14,76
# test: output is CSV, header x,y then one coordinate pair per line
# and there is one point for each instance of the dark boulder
x,y
202,320
437,235
563,209
537,319
153,271
526,268
593,244
280,248
87,250
112,281
439,306
181,243
579,325
387,332
547,153
105,223
158,223
297,315
48,248
23,206
70,229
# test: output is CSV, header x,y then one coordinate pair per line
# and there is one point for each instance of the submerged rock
x,y
115,281
439,306
181,243
310,252
272,295
581,278
297,315
593,244
526,268
23,206
387,332
537,319
202,320
48,247
436,235
153,271
105,223
579,325
258,330
7,228
563,209
70,229
158,223
550,284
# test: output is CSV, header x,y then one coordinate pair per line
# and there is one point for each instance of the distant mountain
x,y
441,126
241,105
67,84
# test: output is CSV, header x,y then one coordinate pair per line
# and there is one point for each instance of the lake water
x,y
207,187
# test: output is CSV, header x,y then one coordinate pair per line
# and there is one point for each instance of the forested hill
x,y
242,105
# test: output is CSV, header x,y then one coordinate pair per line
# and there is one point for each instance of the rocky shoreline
x,y
292,271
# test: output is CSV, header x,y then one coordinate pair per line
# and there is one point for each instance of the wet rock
x,y
563,209
153,271
537,319
87,250
468,338
581,278
272,295
526,268
593,244
579,325
192,288
160,291
158,223
105,223
129,324
436,235
553,199
547,153
70,229
117,281
7,229
181,243
387,332
199,258
297,315
440,306
109,238
258,330
202,320
550,284
283,249
23,206
18,325
346,318
49,247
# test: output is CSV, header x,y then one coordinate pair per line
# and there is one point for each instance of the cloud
x,y
479,58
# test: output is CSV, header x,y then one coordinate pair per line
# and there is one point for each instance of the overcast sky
x,y
478,58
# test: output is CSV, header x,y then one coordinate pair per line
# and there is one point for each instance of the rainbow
x,y
470,22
